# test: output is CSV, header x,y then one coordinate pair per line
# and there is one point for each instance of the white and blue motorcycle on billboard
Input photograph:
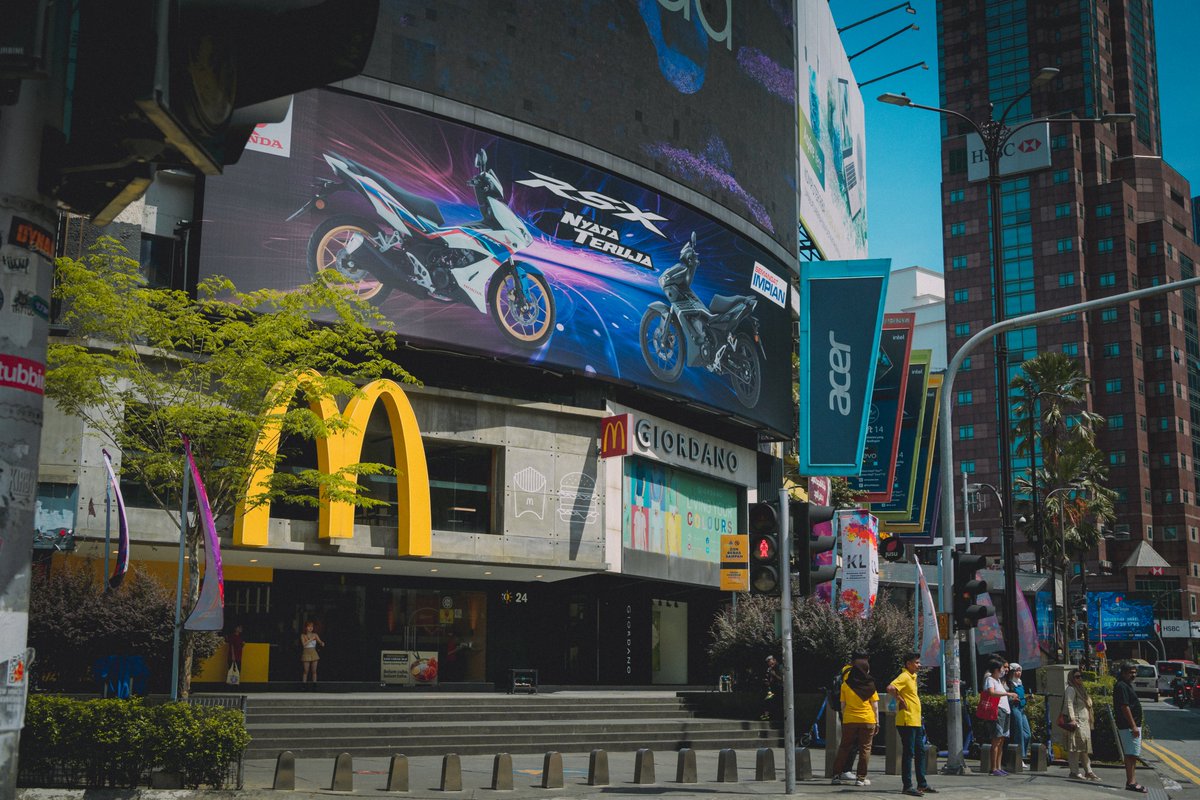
x,y
722,336
408,246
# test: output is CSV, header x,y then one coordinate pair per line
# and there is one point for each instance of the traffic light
x,y
764,549
182,83
967,588
804,516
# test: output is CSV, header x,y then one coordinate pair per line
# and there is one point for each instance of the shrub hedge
x,y
117,743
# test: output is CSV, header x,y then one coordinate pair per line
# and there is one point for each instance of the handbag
x,y
234,676
988,708
1066,724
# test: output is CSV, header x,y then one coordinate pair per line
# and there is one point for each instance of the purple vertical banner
x,y
989,638
1030,657
820,489
122,565
209,613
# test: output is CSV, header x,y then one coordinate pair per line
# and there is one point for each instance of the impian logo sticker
x,y
769,285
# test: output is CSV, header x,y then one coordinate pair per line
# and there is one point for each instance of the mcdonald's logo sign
x,y
337,451
614,435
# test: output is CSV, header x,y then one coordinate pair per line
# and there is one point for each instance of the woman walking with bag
x,y
994,707
1076,721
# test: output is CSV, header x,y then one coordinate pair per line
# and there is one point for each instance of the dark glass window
x,y
462,483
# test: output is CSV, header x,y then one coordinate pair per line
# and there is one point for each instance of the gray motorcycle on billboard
x,y
408,246
722,336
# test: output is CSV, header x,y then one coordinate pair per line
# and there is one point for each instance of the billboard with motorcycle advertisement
x,y
832,138
700,91
470,241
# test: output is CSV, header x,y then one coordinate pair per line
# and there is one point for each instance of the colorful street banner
x,y
926,638
860,563
989,637
926,481
887,412
841,321
1031,656
122,565
209,613
908,452
675,513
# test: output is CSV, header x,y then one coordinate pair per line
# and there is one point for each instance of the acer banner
x,y
841,319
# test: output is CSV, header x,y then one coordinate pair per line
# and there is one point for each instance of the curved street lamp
x,y
995,134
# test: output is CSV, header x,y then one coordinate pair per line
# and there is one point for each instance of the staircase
x,y
322,726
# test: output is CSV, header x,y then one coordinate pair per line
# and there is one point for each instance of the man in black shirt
x,y
1127,708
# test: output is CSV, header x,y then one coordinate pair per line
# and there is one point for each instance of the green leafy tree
x,y
143,367
1050,398
74,621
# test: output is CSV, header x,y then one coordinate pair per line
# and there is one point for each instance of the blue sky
x,y
903,170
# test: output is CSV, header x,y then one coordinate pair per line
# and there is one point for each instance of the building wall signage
x,y
660,440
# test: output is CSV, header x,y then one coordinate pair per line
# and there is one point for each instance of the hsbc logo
x,y
1029,145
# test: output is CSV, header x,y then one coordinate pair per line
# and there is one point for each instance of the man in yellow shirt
x,y
860,720
908,724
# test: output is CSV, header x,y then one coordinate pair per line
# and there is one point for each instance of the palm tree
x,y
1050,405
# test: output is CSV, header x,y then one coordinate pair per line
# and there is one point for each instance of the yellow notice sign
x,y
735,580
735,562
735,549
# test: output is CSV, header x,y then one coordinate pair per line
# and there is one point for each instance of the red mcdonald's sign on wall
x,y
614,435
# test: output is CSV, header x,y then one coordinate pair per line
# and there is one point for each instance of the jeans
x,y
912,743
1020,732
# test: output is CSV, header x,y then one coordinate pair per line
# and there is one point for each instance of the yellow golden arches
x,y
341,449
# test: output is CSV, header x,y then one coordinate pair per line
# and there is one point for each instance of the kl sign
x,y
1027,151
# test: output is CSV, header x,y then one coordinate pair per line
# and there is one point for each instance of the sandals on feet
x,y
1091,776
1135,787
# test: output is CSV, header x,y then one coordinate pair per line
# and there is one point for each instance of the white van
x,y
1173,668
1145,682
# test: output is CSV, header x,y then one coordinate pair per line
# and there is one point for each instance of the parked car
x,y
1145,682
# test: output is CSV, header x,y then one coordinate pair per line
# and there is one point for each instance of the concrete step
x,y
300,718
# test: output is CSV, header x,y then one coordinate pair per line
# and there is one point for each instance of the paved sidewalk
x,y
313,778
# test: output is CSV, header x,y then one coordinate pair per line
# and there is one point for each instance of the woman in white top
x,y
993,684
1077,711
308,653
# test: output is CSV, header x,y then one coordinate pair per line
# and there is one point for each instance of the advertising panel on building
x,y
699,91
1119,617
680,491
473,242
832,136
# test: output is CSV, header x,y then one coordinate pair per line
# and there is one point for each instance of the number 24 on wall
x,y
514,597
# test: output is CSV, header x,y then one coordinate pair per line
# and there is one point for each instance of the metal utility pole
x,y
785,613
27,224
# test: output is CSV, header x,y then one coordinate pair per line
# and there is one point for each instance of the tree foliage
x,y
1050,395
74,621
823,640
143,367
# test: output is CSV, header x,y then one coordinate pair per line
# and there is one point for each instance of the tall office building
x,y
1109,215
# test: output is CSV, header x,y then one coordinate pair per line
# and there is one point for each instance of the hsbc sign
x,y
1027,151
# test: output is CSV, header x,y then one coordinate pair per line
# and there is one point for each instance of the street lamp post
x,y
995,135
1058,618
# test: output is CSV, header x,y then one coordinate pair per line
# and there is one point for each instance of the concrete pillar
x,y
643,766
1037,757
985,758
764,764
451,773
833,735
285,772
803,764
931,760
598,768
1012,759
343,774
685,767
552,771
891,741
502,773
727,766
398,774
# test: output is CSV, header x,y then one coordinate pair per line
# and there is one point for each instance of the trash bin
x,y
523,680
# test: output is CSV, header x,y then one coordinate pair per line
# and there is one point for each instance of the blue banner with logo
x,y
1115,616
886,414
841,319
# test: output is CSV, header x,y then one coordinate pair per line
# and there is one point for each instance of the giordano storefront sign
x,y
342,449
629,432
